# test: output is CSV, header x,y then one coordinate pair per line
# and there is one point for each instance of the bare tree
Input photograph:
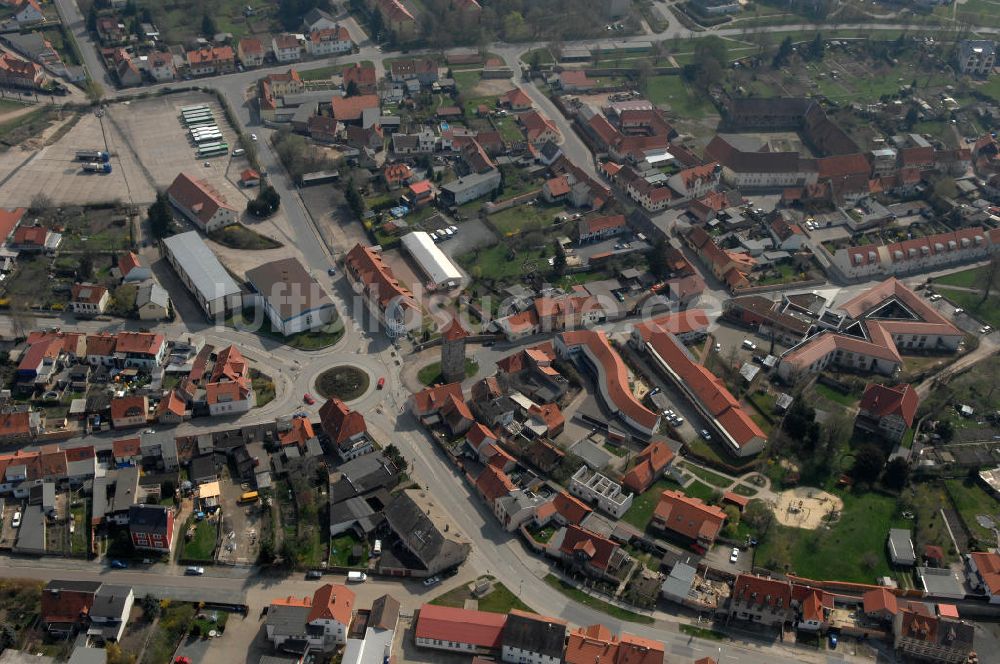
x,y
989,278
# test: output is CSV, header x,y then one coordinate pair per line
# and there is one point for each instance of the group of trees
x,y
266,203
160,216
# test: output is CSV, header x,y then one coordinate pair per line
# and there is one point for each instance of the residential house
x,y
130,269
397,19
151,527
537,128
201,203
110,612
649,466
172,408
900,547
321,622
27,12
251,52
528,638
346,429
976,56
983,573
589,553
142,350
880,604
230,389
688,518
887,410
458,630
595,229
35,239
211,60
424,70
152,302
362,76
515,100
932,638
89,299
286,83
392,302
418,539
65,606
563,510
329,41
129,411
18,73
292,299
286,48
761,600
317,19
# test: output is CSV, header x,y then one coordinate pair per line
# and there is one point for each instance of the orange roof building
x,y
392,301
689,517
447,628
201,203
649,465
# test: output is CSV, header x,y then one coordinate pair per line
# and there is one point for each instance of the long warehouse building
x,y
215,291
440,271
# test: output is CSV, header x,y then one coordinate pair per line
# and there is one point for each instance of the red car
x,y
182,660
308,398
381,382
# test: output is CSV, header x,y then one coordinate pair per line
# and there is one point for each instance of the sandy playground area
x,y
805,507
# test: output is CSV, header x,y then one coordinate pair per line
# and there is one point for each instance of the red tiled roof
x,y
30,235
197,196
9,219
251,45
340,422
87,293
649,463
432,399
477,434
880,600
596,224
128,262
679,323
299,433
129,406
574,77
83,453
444,623
689,516
143,343
557,186
36,353
493,483
615,373
891,287
551,415
101,345
591,645
126,448
597,548
378,278
347,109
213,54
454,331
361,75
332,602
883,400
638,650
761,591
988,565
571,508
842,165
66,606
516,98
172,403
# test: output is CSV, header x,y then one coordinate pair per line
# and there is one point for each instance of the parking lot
x,y
54,171
612,246
240,525
471,235
155,146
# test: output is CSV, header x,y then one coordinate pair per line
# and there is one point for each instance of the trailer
x,y
92,155
199,117
97,167
194,107
202,124
208,138
206,130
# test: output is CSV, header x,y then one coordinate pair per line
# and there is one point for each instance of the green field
x,y
496,263
853,549
500,599
523,218
681,98
964,279
972,500
431,374
835,396
340,551
466,80
708,476
202,546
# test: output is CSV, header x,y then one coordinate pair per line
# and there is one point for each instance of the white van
x,y
377,549
239,152
356,577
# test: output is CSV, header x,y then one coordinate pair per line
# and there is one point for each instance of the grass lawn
x,y
852,550
238,236
926,500
712,478
509,129
671,90
175,622
702,632
835,396
523,218
699,490
340,551
578,595
987,312
971,501
431,374
644,504
81,528
466,80
496,263
202,546
263,387
963,279
500,600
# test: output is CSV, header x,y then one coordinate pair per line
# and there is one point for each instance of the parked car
x,y
194,571
735,555
16,521
453,229
308,398
718,348
432,581
314,574
749,345
833,641
119,564
381,382
253,137
986,329
958,310
331,271
356,577
705,434
182,660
